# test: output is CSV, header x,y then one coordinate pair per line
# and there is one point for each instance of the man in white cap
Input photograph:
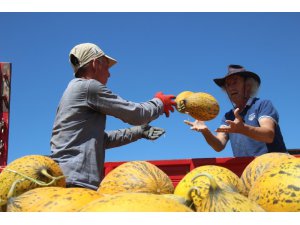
x,y
79,138
252,126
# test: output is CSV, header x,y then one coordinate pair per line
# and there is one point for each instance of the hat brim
x,y
111,61
221,81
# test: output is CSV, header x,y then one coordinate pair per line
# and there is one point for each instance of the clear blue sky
x,y
169,52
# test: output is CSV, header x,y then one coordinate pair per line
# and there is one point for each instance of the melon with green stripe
x,y
259,165
220,199
29,172
202,106
224,177
135,202
52,199
278,188
136,176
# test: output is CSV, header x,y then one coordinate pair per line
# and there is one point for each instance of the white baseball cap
x,y
83,53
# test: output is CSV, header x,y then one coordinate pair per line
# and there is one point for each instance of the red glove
x,y
167,101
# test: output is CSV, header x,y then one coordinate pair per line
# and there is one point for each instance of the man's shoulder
x,y
90,83
262,102
94,85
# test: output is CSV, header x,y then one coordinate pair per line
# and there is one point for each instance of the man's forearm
x,y
212,140
258,133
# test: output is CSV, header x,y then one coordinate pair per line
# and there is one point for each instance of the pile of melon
x,y
271,182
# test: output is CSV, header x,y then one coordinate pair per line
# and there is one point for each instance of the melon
x,y
136,176
52,199
260,164
223,176
135,202
181,96
28,172
179,199
278,188
202,106
221,199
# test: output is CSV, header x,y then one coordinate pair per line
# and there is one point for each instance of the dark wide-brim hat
x,y
236,70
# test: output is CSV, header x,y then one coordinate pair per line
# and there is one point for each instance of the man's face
x,y
235,88
103,70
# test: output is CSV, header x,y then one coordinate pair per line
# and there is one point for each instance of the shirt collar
x,y
249,103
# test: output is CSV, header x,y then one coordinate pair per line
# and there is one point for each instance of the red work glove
x,y
167,101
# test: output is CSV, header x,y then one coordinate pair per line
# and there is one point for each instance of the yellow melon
x,y
278,188
223,176
202,106
181,96
136,176
135,202
221,199
260,164
29,172
52,199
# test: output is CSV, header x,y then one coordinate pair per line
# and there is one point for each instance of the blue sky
x,y
169,52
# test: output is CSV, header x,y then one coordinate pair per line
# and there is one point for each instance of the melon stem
x,y
194,188
213,183
46,174
38,182
11,192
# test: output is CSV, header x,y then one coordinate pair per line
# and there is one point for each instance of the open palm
x,y
196,125
234,126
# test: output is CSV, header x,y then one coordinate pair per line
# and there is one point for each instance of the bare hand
x,y
235,126
197,125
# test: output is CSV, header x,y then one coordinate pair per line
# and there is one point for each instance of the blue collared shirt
x,y
242,145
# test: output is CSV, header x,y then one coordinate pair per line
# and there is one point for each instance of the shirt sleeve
x,y
267,110
228,116
103,100
121,137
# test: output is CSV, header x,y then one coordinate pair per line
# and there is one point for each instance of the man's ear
x,y
95,64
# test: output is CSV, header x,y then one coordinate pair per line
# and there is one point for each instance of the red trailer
x,y
5,78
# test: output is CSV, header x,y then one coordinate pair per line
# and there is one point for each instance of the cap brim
x,y
111,61
221,81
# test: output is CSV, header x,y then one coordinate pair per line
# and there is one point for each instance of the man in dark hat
x,y
252,125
